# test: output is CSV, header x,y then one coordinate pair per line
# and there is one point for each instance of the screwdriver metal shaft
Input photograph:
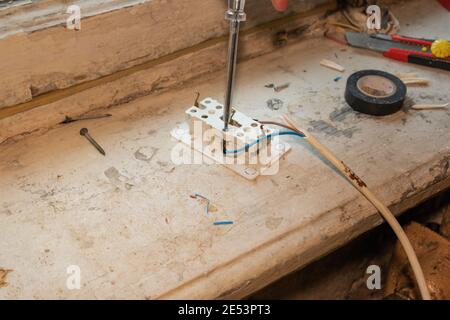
x,y
235,14
84,132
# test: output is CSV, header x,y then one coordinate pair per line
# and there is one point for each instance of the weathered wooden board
x,y
46,111
55,58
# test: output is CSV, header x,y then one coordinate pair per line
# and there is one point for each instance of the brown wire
x,y
274,123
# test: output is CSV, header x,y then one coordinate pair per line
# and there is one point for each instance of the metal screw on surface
x,y
68,119
84,132
274,104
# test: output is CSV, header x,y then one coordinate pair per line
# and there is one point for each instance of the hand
x,y
280,5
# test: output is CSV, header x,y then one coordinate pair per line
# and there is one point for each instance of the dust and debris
x,y
340,114
345,216
425,118
426,96
125,232
353,176
208,202
82,238
281,38
113,175
282,87
286,69
129,186
145,154
274,104
294,108
274,183
6,211
330,130
278,88
158,85
209,208
442,170
273,222
117,179
15,164
412,189
3,275
166,167
409,102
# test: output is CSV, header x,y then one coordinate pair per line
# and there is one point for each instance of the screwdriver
x,y
235,14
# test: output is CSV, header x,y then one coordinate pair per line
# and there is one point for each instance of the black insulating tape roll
x,y
375,92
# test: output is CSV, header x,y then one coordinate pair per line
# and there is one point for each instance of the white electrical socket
x,y
204,133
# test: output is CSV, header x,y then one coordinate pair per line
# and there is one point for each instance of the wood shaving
x,y
412,79
406,75
332,65
429,106
416,81
282,87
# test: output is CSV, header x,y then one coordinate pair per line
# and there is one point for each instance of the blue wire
x,y
222,223
279,133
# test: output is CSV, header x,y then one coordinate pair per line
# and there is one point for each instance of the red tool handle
x,y
421,58
403,55
445,3
420,42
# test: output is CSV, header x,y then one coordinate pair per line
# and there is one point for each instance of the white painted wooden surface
x,y
30,16
128,219
42,55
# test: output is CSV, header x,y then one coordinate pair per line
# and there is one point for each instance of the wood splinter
x,y
412,79
415,81
430,106
332,65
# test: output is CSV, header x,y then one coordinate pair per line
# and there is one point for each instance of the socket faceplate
x,y
204,133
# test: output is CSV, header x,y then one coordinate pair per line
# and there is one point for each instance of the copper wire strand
x,y
274,123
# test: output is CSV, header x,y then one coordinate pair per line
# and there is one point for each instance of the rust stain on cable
x,y
353,176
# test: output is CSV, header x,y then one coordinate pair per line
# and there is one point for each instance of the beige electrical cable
x,y
385,212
